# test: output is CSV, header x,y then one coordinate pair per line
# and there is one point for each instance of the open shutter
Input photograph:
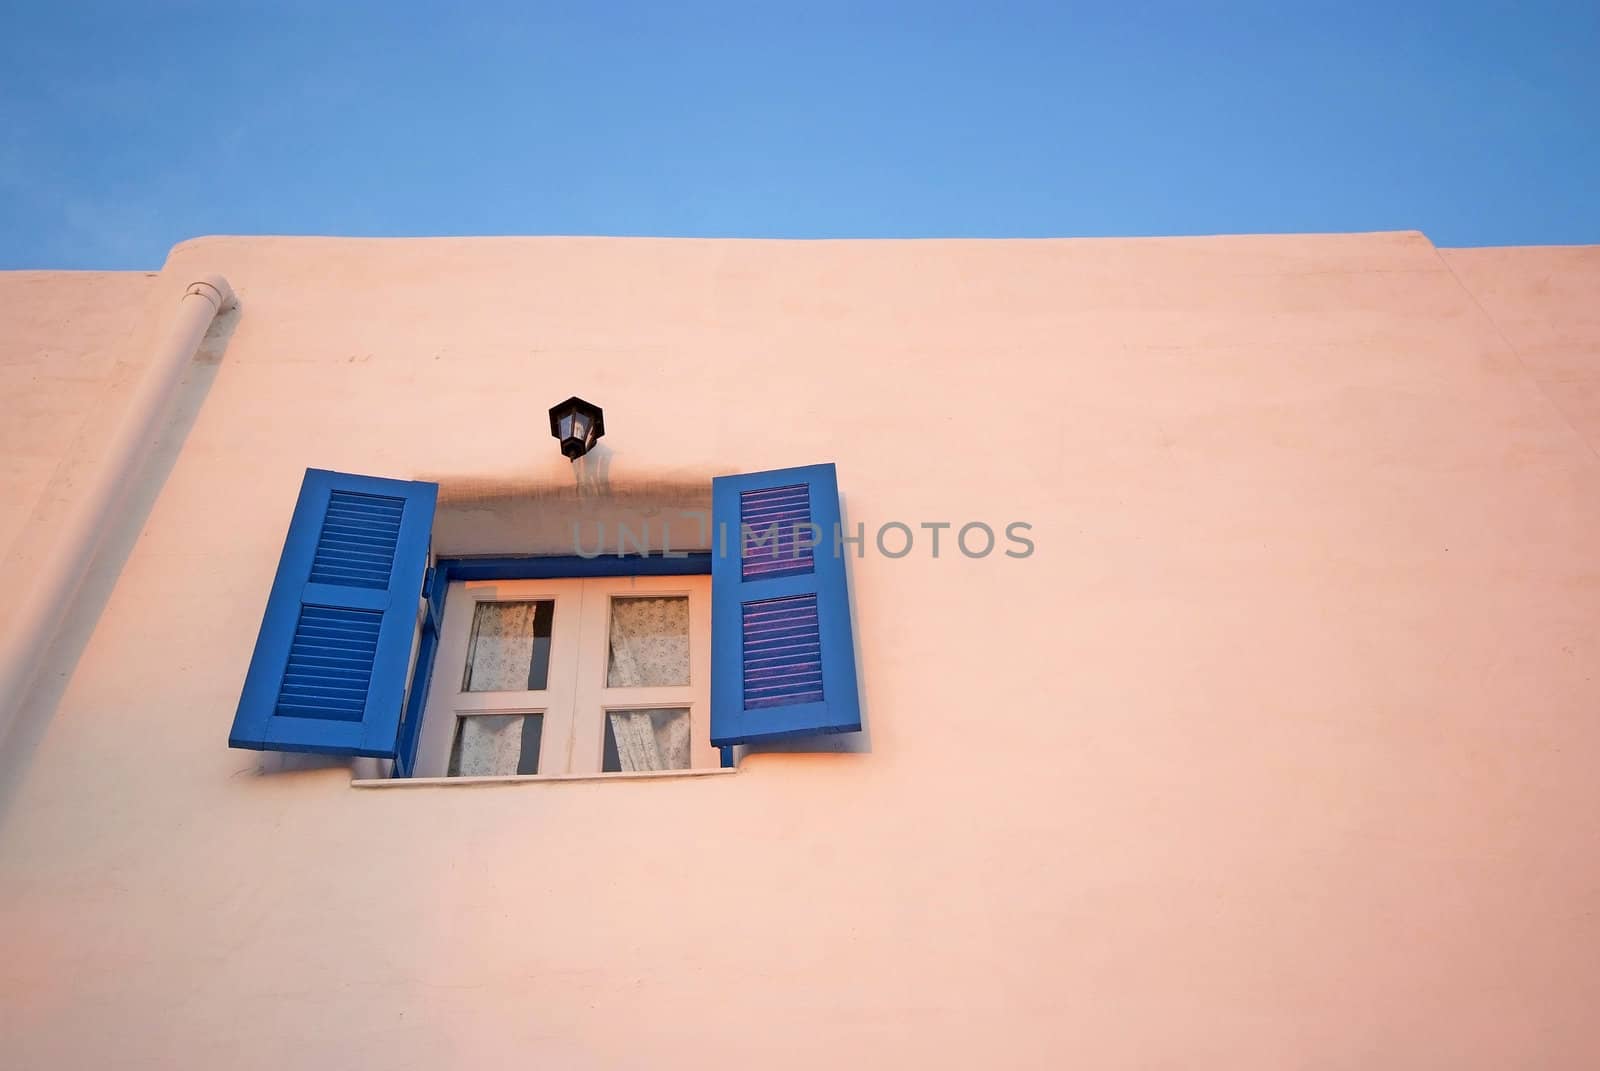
x,y
329,670
782,656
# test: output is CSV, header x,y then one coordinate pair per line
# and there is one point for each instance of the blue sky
x,y
126,128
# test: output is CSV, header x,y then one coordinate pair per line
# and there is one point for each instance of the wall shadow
x,y
593,515
833,743
116,544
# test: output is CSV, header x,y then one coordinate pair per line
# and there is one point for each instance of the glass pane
x,y
490,744
646,740
649,642
510,647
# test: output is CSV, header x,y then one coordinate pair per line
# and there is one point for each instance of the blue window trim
x,y
535,567
559,566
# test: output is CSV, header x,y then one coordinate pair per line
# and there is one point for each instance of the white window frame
x,y
576,700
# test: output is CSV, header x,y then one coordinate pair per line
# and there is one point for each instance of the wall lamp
x,y
578,424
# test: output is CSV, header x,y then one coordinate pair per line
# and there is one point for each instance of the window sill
x,y
525,779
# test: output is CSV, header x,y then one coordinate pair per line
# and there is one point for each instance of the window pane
x,y
510,647
649,642
490,744
646,740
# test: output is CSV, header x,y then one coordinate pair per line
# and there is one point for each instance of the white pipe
x,y
31,622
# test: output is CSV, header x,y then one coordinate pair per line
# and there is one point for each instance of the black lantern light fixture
x,y
578,425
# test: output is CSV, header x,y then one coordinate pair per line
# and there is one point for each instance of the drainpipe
x,y
32,622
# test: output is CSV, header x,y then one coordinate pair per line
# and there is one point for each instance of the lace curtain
x,y
489,745
649,643
650,739
649,649
504,647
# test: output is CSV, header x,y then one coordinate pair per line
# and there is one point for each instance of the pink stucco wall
x,y
1277,753
1546,305
69,343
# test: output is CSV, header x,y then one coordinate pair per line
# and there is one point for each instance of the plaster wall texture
x,y
1277,752
1546,304
71,341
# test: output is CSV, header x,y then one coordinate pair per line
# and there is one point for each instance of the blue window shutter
x,y
782,656
329,670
